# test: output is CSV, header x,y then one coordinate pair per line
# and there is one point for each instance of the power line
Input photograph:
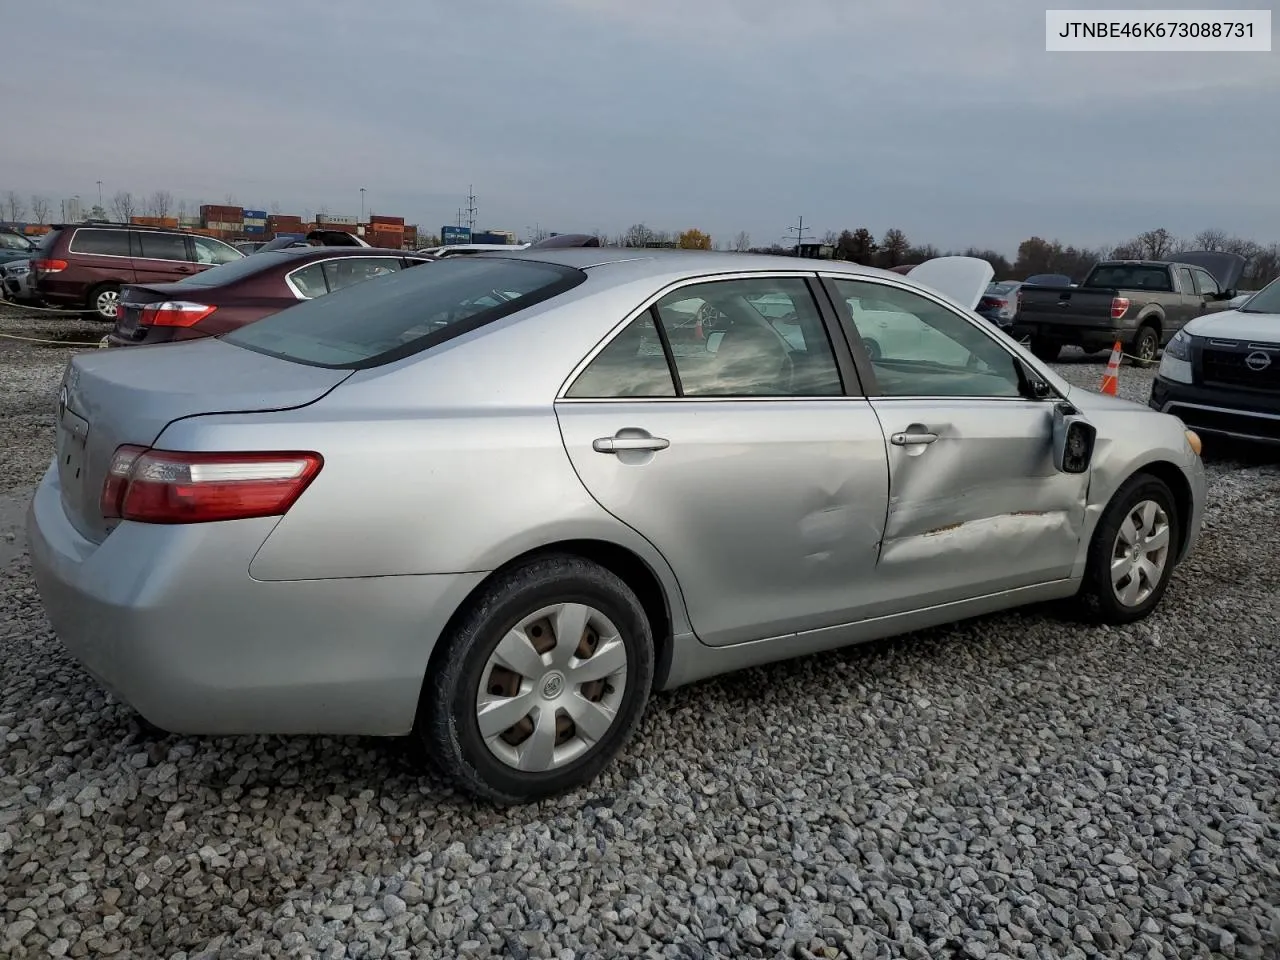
x,y
471,208
800,235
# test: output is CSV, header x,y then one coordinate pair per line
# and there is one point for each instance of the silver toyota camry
x,y
497,502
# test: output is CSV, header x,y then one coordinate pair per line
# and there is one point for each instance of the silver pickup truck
x,y
1141,303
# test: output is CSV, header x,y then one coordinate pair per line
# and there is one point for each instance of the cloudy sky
x,y
946,119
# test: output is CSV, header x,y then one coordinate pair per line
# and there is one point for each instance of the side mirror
x,y
1033,387
713,341
1073,439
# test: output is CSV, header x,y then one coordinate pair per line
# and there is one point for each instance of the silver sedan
x,y
498,502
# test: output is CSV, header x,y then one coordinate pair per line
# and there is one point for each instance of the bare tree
x,y
40,208
182,209
160,203
13,208
123,206
637,235
894,247
742,242
1156,244
830,238
1212,240
230,200
275,207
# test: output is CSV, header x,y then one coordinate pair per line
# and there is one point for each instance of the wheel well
x,y
1151,320
1177,483
622,563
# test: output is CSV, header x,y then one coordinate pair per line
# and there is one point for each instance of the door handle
x,y
912,439
619,444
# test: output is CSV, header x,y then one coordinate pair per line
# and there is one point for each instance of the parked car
x,y
499,521
85,265
14,246
249,246
16,282
1141,303
233,294
1220,374
1000,302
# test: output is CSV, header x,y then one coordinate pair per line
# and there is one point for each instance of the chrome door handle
x,y
912,439
619,444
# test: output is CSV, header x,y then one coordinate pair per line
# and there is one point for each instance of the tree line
x,y
1035,254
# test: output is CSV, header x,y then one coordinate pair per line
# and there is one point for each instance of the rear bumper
x,y
1241,414
168,619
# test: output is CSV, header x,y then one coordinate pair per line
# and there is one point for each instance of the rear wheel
x,y
1046,350
104,302
1145,346
1132,554
540,684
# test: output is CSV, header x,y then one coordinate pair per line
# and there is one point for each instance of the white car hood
x,y
1234,325
963,279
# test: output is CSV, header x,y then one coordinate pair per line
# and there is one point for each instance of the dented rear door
x,y
982,508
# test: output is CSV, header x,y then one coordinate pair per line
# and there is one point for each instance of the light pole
x,y
362,204
99,193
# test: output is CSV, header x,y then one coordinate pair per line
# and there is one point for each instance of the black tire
x,y
1045,350
1097,593
1145,346
446,724
97,309
872,346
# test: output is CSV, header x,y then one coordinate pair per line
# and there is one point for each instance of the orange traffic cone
x,y
1111,379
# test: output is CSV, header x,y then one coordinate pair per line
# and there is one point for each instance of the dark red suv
x,y
84,265
234,294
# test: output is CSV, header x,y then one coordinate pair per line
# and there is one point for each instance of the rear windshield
x,y
998,288
1266,300
369,324
1129,277
234,270
45,243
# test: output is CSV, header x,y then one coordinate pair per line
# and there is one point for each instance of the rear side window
x,y
369,324
163,246
112,243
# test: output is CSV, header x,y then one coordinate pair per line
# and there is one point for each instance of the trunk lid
x,y
113,397
134,297
1065,304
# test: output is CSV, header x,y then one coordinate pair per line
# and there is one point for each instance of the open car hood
x,y
963,279
1226,268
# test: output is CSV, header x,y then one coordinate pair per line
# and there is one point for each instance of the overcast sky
x,y
946,119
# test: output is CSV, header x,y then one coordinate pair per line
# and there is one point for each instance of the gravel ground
x,y
1016,786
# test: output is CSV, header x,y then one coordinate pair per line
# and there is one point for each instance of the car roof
x,y
641,263
322,252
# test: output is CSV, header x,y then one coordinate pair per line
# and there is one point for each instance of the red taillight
x,y
167,486
113,487
174,313
48,266
999,304
1118,306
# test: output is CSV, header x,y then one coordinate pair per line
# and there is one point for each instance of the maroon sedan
x,y
231,295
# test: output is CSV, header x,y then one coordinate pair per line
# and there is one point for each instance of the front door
x,y
739,455
976,505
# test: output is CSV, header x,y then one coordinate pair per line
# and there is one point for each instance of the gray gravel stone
x,y
1016,786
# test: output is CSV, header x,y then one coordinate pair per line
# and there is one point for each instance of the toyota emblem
x,y
1257,361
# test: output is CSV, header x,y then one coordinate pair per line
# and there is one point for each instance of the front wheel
x,y
1132,553
541,683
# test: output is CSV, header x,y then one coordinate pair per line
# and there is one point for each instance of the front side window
x,y
163,246
11,241
1205,282
209,250
112,243
369,324
749,337
919,348
346,271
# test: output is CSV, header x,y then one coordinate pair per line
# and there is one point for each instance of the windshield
x,y
12,241
1266,300
232,270
369,324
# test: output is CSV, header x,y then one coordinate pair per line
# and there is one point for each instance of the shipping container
x,y
333,219
255,214
254,230
389,221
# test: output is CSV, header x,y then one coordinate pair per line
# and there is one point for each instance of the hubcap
x,y
108,302
552,687
1141,553
1147,349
